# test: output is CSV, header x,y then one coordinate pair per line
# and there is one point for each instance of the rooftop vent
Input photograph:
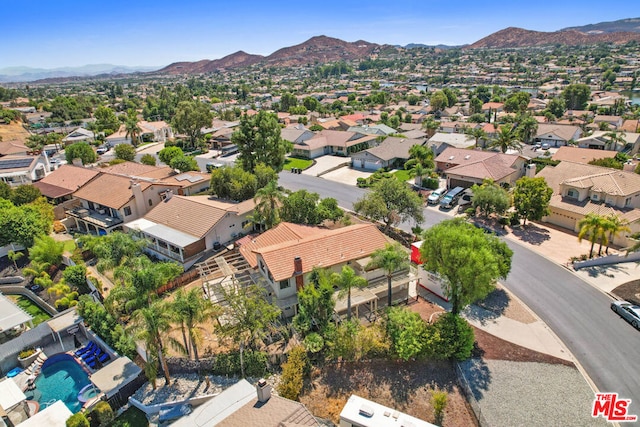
x,y
366,411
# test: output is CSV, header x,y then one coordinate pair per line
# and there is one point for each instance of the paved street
x,y
578,313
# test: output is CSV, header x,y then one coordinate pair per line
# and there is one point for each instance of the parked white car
x,y
436,195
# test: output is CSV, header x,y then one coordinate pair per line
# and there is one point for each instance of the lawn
x,y
291,162
39,315
132,417
402,175
69,245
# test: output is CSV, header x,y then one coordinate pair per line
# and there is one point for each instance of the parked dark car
x,y
34,288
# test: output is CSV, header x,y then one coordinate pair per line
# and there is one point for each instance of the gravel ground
x,y
545,394
182,387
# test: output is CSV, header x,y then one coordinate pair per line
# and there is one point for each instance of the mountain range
x,y
323,49
28,74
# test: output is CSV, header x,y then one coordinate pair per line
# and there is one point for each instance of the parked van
x,y
451,198
436,196
213,165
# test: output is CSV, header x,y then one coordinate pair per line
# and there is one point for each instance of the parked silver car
x,y
436,195
630,312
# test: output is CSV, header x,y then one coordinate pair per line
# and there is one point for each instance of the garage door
x,y
372,166
453,183
562,221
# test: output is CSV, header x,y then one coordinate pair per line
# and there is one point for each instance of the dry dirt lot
x,y
13,131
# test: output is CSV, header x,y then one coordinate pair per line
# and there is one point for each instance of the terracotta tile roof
x,y
133,169
276,412
478,164
609,181
325,249
630,125
12,147
186,179
109,190
187,214
561,131
394,148
65,180
581,155
283,232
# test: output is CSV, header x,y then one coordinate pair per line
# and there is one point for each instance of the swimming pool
x,y
61,378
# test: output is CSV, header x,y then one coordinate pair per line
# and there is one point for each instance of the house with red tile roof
x,y
579,189
287,253
464,168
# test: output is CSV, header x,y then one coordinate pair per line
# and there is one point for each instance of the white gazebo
x,y
69,321
12,316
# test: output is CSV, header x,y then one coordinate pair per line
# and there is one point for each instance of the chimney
x,y
297,272
138,198
530,170
263,390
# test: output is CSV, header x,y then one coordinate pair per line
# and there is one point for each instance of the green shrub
x,y
439,400
255,363
431,183
293,372
407,332
101,414
26,353
78,420
452,338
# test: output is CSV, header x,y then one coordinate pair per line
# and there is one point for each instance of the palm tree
x,y
614,226
420,154
391,259
268,200
418,171
505,139
15,256
477,134
592,225
430,125
132,128
190,309
614,137
527,128
345,280
151,324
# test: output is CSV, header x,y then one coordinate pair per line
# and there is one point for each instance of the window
x,y
150,202
127,210
284,284
595,197
627,202
573,193
245,223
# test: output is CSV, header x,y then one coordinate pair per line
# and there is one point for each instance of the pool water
x,y
61,378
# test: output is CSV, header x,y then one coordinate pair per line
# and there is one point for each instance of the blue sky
x,y
49,34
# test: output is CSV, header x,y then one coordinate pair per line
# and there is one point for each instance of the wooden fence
x,y
180,281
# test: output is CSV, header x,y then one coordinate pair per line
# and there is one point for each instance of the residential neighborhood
x,y
412,236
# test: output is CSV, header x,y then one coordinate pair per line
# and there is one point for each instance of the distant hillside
x,y
519,37
320,49
27,74
235,60
630,25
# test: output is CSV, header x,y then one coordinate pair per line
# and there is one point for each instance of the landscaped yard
x,y
291,162
132,417
69,245
39,315
402,175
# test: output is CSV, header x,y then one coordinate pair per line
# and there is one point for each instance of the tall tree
x,y
191,309
613,139
250,317
82,151
125,152
468,260
315,303
132,128
420,154
476,133
490,198
526,128
594,226
268,201
391,259
190,118
106,119
531,198
390,201
614,225
346,280
301,207
576,96
506,139
151,324
259,141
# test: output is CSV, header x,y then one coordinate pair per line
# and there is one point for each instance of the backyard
x,y
39,315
